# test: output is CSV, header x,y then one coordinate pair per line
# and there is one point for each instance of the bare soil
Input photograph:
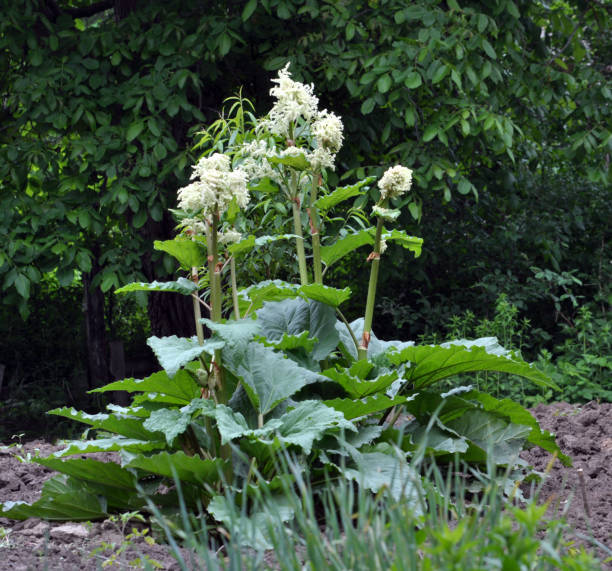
x,y
583,432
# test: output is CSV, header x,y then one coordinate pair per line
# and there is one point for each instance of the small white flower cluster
x,y
214,187
229,237
293,100
328,131
253,161
395,181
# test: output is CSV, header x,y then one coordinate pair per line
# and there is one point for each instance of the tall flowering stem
x,y
394,182
196,307
315,230
297,229
374,257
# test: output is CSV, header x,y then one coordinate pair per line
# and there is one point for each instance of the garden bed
x,y
583,432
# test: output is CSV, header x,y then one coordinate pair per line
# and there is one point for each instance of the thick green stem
x,y
197,314
369,313
299,241
315,230
234,288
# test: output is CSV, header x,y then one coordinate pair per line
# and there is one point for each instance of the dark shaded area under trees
x,y
501,108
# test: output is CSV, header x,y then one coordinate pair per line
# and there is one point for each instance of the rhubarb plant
x,y
276,365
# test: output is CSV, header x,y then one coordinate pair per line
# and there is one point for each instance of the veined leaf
x,y
189,253
250,242
325,294
182,388
188,468
345,245
411,243
298,162
268,377
124,425
253,297
519,415
74,504
293,316
169,421
173,352
182,285
343,193
375,471
113,444
291,342
431,363
90,470
358,388
356,408
376,345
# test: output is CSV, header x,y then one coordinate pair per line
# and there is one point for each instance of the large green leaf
x,y
253,297
411,243
343,193
234,336
250,242
188,252
112,444
298,162
251,530
356,408
170,422
517,414
120,424
325,294
293,316
88,469
309,421
181,389
357,387
375,471
173,352
182,285
268,377
431,363
75,503
376,345
330,254
187,468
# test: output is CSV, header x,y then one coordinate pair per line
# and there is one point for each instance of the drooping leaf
x,y
291,342
170,422
182,285
431,363
325,294
181,389
189,253
173,352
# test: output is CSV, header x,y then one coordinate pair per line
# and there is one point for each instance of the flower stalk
x,y
315,230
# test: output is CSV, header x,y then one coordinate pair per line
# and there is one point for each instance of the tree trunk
x,y
169,313
95,331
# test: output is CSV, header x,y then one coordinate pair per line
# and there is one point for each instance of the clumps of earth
x,y
582,494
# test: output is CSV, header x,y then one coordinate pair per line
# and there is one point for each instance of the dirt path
x,y
585,433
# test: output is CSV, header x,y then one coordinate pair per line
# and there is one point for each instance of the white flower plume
x,y
214,186
328,131
396,181
293,100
